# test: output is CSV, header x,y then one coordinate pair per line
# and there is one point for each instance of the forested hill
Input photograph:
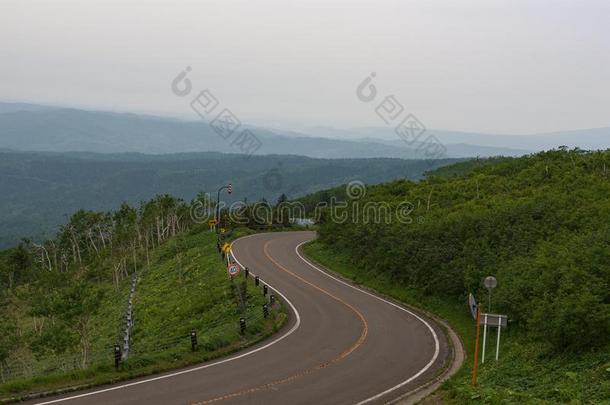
x,y
40,189
540,224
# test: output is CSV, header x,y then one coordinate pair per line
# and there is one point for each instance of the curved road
x,y
342,345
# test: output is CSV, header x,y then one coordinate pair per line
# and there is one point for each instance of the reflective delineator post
x,y
117,356
242,325
265,310
265,289
256,281
476,347
193,340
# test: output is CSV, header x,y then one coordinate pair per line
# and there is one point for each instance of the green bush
x,y
539,223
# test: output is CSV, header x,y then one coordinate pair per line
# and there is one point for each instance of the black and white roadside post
x,y
117,355
265,290
242,325
271,299
193,340
246,272
256,281
265,310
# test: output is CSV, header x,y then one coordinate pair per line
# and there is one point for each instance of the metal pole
x,y
476,347
498,342
489,301
484,339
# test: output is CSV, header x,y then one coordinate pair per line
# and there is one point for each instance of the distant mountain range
x,y
30,127
594,138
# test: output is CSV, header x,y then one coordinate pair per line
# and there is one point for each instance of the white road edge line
x,y
291,331
436,342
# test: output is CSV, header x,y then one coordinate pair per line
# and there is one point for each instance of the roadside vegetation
x,y
540,224
63,302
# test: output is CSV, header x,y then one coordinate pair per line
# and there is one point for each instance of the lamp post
x,y
229,187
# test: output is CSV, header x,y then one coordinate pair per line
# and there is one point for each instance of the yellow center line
x,y
350,350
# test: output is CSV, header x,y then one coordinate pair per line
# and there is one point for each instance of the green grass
x,y
189,289
526,372
186,287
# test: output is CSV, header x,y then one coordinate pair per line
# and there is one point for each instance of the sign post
x,y
484,338
485,319
233,270
498,343
490,283
493,321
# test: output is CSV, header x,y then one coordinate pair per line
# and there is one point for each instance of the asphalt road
x,y
341,345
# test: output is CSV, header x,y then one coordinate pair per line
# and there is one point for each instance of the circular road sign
x,y
233,270
490,282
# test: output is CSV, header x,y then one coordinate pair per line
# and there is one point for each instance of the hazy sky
x,y
497,66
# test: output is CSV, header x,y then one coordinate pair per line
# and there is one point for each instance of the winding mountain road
x,y
342,345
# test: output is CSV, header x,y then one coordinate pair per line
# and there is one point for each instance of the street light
x,y
229,187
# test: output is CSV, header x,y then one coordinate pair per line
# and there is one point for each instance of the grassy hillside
x,y
40,189
60,324
540,225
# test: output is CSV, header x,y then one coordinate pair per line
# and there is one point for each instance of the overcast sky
x,y
490,66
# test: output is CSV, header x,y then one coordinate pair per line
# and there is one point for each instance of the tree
x,y
8,340
70,309
18,264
